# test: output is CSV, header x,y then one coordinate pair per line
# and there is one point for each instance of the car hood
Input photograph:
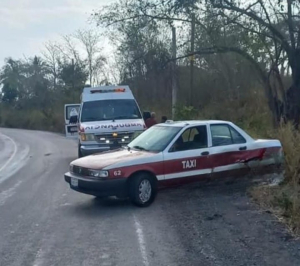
x,y
115,126
105,159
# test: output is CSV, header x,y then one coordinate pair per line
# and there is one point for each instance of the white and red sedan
x,y
169,154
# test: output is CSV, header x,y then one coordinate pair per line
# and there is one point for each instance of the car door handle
x,y
205,153
243,148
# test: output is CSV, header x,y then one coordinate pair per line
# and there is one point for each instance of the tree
x,y
72,76
52,56
9,94
90,41
38,84
12,75
26,83
263,32
141,52
279,23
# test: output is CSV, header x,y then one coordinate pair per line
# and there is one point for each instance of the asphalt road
x,y
43,222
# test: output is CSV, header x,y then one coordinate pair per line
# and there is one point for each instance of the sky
x,y
26,25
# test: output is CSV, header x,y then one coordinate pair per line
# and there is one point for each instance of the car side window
x,y
191,139
237,138
225,135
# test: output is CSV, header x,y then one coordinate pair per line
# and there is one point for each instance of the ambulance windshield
x,y
110,110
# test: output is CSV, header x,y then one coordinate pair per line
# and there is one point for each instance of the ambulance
x,y
107,118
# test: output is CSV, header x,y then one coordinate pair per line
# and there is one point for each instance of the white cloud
x,y
25,25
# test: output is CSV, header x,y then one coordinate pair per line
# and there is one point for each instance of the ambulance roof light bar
x,y
107,90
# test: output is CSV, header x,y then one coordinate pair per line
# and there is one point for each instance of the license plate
x,y
72,129
74,182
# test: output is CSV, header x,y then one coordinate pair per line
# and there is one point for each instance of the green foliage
x,y
9,93
31,119
186,113
72,75
29,97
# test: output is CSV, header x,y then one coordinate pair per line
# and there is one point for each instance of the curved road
x,y
43,222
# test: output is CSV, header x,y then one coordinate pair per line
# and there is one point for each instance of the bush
x,y
290,139
186,113
31,119
284,200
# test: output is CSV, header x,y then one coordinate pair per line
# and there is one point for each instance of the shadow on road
x,y
100,207
89,206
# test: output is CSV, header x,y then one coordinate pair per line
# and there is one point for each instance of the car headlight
x,y
137,133
71,168
87,137
98,173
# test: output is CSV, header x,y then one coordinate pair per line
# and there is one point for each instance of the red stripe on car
x,y
202,162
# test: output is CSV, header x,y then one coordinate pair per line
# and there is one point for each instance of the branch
x,y
224,49
233,20
173,19
247,29
265,10
149,16
121,20
269,51
290,23
255,17
166,18
158,17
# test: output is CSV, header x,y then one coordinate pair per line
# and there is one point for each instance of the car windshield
x,y
110,110
155,139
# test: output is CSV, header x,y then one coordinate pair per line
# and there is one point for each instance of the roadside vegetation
x,y
35,89
241,62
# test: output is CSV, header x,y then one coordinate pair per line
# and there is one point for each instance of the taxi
x,y
168,154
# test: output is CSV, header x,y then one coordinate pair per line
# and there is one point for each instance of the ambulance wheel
x,y
79,152
142,189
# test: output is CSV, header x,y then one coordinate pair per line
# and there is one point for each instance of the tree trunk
x,y
293,93
273,104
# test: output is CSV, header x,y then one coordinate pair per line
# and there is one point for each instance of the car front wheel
x,y
142,189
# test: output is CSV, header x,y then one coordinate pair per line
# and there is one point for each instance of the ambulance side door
x,y
71,123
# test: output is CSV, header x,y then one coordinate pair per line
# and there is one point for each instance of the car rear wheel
x,y
142,189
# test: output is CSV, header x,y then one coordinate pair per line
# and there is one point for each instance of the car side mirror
x,y
74,119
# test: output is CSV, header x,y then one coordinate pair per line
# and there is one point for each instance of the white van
x,y
107,118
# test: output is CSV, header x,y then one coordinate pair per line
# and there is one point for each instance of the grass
x,y
32,119
284,200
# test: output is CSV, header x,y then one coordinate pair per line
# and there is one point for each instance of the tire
x,y
138,187
79,152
